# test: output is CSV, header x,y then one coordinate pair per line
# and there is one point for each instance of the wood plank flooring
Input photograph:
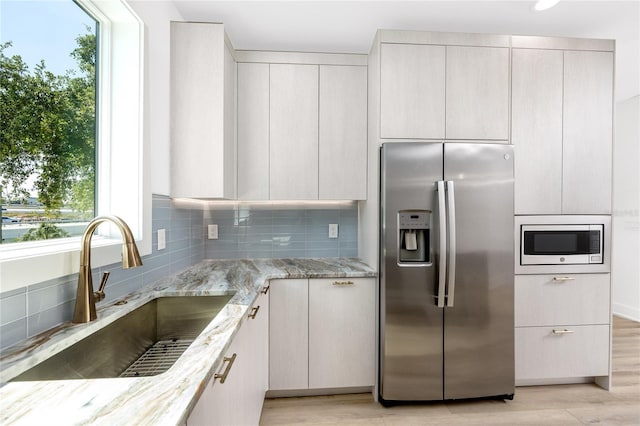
x,y
581,404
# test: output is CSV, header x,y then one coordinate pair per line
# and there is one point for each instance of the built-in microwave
x,y
566,243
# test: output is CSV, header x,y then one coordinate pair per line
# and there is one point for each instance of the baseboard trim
x,y
625,311
317,392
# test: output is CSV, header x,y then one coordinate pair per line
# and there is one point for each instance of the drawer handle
x,y
343,283
254,312
563,279
265,289
565,331
230,360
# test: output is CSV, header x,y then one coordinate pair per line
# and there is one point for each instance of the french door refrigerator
x,y
446,271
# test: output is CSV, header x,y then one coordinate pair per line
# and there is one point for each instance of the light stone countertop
x,y
167,398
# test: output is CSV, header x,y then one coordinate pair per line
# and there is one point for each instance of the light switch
x,y
333,230
213,231
162,239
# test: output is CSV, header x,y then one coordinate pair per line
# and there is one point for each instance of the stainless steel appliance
x,y
562,243
446,271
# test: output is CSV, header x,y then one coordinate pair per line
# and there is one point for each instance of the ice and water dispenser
x,y
414,239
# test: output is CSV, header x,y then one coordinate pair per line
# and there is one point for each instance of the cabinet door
x,y
230,140
226,403
198,157
587,133
536,130
257,324
412,91
545,300
293,132
253,131
343,133
288,334
477,85
341,332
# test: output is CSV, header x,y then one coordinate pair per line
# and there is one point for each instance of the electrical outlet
x,y
213,231
333,230
162,239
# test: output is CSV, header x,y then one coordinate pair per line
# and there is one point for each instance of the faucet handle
x,y
99,295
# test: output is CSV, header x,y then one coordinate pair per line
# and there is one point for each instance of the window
x,y
48,110
121,183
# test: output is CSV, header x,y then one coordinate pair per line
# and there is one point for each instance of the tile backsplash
x,y
245,230
282,231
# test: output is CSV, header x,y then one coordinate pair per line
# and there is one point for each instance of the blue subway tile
x,y
13,308
322,253
44,320
49,297
12,333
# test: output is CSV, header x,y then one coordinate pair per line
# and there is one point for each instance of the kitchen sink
x,y
145,342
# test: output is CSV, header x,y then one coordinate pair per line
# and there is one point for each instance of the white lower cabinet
x,y
341,333
563,328
562,352
238,400
545,300
322,333
289,334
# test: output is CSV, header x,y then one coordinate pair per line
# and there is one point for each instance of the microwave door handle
x,y
451,219
442,235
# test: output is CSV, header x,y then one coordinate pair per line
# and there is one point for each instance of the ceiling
x,y
349,26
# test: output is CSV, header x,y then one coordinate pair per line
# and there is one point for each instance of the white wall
x,y
625,267
157,16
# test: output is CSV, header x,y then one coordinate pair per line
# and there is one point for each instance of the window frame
x,y
122,185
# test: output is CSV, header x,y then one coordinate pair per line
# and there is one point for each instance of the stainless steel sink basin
x,y
145,342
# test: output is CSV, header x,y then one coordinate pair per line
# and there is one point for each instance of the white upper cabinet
x,y
412,91
537,130
562,117
444,92
477,89
343,133
587,132
302,127
253,131
293,132
203,105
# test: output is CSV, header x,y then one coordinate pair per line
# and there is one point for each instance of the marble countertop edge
x,y
170,397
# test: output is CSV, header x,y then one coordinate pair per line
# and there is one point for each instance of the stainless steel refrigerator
x,y
446,271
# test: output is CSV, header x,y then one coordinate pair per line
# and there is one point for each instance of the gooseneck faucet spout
x,y
85,309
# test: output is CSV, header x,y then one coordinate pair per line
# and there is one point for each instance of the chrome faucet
x,y
85,310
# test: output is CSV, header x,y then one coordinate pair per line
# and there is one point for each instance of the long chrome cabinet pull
x,y
254,312
230,360
341,283
565,331
442,220
563,279
451,218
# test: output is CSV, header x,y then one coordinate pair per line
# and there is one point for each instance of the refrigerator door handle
x,y
451,219
442,231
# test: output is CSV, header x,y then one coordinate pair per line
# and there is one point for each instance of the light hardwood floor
x,y
534,405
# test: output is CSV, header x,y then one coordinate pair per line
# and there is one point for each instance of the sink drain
x,y
158,358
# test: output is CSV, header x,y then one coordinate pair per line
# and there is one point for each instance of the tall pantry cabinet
x,y
562,132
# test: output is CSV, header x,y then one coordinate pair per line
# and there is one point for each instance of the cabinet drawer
x,y
576,351
566,299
